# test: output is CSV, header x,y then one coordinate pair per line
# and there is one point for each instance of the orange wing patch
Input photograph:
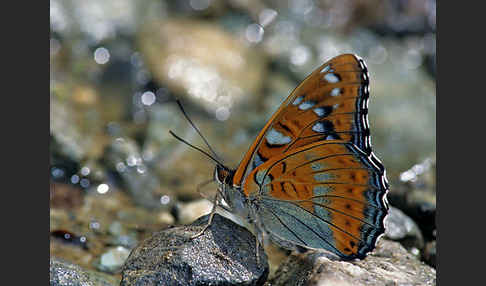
x,y
330,104
335,184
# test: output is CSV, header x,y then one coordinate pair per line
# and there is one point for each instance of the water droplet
x,y
101,55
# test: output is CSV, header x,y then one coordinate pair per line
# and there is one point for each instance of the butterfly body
x,y
310,178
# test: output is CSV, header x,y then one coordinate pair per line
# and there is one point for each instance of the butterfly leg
x,y
257,252
211,215
259,242
200,186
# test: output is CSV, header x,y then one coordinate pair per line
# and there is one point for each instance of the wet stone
x,y
416,196
112,260
124,157
388,264
63,273
224,255
400,227
220,73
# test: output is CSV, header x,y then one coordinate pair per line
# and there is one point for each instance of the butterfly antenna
x,y
197,130
197,148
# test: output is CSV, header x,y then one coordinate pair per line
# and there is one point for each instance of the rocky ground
x,y
123,192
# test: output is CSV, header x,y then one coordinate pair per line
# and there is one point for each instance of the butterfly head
x,y
232,195
223,175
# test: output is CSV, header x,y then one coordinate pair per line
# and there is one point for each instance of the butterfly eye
x,y
220,174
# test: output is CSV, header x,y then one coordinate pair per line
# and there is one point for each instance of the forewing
x,y
331,103
327,195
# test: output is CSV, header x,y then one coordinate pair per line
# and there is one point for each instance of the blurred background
x,y
116,66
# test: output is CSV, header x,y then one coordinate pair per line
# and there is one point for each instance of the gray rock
x,y
400,227
388,264
123,156
219,74
63,273
415,194
224,255
67,139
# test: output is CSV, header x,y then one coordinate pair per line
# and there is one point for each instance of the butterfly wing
x,y
331,103
325,195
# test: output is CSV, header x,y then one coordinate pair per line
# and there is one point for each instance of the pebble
x,y
113,259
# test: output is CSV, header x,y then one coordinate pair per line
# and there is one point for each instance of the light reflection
x,y
148,155
57,173
120,167
222,113
415,251
74,179
202,82
148,98
101,55
102,188
119,140
85,171
165,199
300,55
94,225
103,19
141,169
57,16
131,161
267,16
254,33
412,174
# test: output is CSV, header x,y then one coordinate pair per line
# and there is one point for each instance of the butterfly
x,y
310,179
